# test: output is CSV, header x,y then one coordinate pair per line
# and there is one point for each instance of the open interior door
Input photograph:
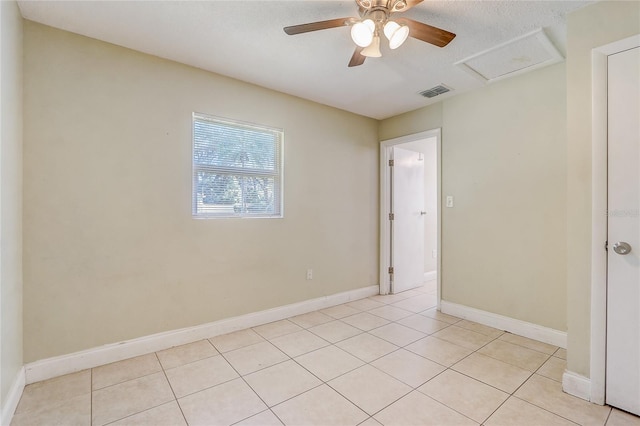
x,y
407,220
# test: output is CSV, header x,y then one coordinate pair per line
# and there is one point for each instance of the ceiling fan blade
x,y
315,26
409,5
357,58
427,33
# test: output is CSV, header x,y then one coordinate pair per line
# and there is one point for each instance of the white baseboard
x,y
94,357
428,276
512,325
576,385
13,398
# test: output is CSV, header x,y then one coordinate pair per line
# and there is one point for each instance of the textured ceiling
x,y
245,40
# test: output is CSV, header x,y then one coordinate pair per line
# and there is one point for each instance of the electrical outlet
x,y
309,274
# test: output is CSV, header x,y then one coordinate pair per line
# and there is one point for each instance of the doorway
x,y
603,374
397,250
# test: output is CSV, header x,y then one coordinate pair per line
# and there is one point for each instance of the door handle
x,y
622,248
423,213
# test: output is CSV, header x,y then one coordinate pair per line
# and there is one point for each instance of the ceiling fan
x,y
376,19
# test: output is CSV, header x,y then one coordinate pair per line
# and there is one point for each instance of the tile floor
x,y
385,360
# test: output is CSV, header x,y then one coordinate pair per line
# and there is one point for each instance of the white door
x,y
623,269
407,226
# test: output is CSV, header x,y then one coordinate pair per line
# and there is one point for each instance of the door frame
x,y
385,205
599,207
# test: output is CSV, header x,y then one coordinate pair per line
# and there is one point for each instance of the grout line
x,y
171,387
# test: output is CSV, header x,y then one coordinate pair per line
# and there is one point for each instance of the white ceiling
x,y
245,40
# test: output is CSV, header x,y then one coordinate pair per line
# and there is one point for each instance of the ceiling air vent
x,y
435,91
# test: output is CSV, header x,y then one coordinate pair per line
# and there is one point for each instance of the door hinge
x,y
391,270
391,217
606,245
391,163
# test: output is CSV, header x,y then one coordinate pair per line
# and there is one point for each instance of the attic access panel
x,y
517,56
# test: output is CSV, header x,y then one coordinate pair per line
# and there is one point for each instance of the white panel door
x,y
407,226
623,269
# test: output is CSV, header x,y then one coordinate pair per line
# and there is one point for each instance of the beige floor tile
x,y
236,340
440,351
340,311
196,376
417,409
365,304
299,343
514,354
463,337
367,347
418,303
40,395
480,328
73,411
529,343
131,397
122,371
224,404
365,321
388,298
501,375
412,293
255,357
185,354
561,353
547,394
621,418
423,324
277,329
266,418
437,315
390,313
398,334
465,395
408,367
311,319
553,369
166,414
281,382
430,286
335,331
370,422
521,413
369,388
329,362
319,406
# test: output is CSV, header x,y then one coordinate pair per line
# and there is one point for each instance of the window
x,y
237,169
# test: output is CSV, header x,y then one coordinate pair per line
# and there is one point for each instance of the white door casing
x,y
385,205
407,226
623,223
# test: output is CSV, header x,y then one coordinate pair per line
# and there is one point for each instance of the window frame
x,y
278,175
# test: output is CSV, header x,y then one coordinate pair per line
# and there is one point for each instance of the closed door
x,y
407,226
623,256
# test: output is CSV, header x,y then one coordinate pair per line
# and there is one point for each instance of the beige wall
x,y
412,122
587,28
10,196
111,249
503,159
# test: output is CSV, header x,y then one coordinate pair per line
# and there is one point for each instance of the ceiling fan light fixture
x,y
362,32
396,34
373,50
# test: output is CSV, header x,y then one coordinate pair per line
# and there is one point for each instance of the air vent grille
x,y
435,91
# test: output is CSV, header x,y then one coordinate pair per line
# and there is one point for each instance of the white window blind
x,y
237,169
